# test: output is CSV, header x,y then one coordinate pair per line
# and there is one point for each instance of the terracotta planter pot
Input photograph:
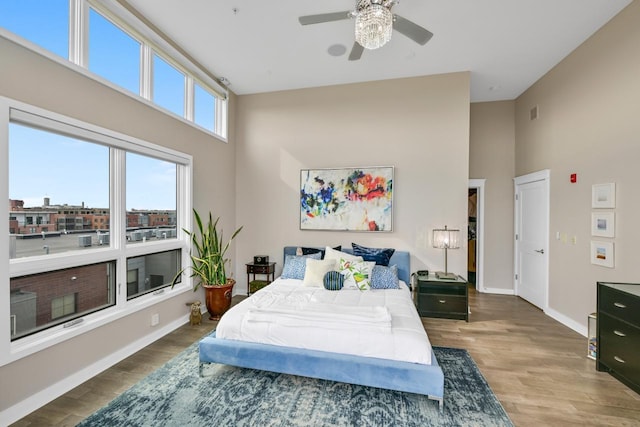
x,y
218,299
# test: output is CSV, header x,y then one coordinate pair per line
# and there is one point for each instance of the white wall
x,y
492,157
588,124
418,125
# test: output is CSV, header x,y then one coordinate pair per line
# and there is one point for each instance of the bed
x,y
419,373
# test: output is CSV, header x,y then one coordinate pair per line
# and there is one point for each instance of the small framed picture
x,y
603,224
603,195
602,254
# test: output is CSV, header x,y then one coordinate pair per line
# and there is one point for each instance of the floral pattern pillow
x,y
356,273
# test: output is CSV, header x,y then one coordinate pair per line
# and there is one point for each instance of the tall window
x,y
90,210
168,86
45,23
204,108
113,54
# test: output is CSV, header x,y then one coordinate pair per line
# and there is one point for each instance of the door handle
x,y
540,251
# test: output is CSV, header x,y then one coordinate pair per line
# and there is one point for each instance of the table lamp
x,y
446,239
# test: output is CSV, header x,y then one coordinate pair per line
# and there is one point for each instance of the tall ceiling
x,y
259,46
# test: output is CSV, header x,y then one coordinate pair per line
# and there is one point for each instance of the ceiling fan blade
x,y
356,52
325,17
412,30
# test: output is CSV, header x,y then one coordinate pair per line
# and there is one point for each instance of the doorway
x,y
475,241
532,238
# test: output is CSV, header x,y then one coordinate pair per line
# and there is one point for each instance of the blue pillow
x,y
381,256
333,281
294,266
384,277
308,251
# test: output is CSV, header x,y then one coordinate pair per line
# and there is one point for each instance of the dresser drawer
x,y
438,303
619,304
619,347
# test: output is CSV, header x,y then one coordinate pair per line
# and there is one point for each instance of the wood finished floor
x,y
537,368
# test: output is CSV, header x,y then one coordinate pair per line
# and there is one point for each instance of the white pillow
x,y
330,253
357,273
316,269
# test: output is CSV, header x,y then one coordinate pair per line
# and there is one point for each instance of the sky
x,y
69,171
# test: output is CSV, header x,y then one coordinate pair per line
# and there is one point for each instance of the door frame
x,y
545,176
478,185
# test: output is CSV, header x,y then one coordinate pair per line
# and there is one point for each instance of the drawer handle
x,y
620,334
618,359
619,305
442,301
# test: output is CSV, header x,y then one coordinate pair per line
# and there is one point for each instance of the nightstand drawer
x,y
438,303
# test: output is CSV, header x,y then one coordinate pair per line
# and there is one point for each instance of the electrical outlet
x,y
155,319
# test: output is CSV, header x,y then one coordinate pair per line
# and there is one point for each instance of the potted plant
x,y
208,265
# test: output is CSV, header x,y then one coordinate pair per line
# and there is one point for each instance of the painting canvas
x,y
603,224
347,199
602,254
603,195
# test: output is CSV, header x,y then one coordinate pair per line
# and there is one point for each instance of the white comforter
x,y
380,323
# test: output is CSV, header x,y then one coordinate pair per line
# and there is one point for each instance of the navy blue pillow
x,y
381,256
309,251
333,281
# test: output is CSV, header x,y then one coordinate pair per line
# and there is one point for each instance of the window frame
x,y
117,250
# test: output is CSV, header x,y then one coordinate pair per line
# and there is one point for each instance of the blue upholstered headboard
x,y
400,258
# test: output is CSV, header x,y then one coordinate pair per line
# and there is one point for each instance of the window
x,y
113,54
204,108
112,44
45,23
168,86
40,301
109,213
151,199
83,180
151,272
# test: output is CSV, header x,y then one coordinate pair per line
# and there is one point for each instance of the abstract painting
x,y
602,254
347,199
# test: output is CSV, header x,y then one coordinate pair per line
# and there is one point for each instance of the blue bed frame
x,y
368,371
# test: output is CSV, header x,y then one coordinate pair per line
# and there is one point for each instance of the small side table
x,y
445,298
268,270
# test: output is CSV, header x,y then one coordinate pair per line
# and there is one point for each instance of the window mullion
x,y
118,220
189,98
146,72
78,33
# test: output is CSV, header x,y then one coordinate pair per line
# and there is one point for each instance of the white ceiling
x,y
506,44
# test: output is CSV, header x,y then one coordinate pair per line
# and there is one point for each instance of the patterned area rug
x,y
175,395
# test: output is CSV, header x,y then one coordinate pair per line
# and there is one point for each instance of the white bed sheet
x,y
405,341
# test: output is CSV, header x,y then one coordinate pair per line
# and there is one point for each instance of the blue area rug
x,y
175,395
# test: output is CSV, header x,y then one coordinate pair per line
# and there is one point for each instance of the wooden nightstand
x,y
268,270
442,298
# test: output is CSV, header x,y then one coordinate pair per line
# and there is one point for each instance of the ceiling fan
x,y
374,24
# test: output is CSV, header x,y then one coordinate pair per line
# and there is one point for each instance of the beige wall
x,y
418,125
492,157
588,124
31,78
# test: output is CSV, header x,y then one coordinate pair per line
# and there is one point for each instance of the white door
x,y
532,238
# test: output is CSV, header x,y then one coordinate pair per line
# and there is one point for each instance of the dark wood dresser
x,y
618,332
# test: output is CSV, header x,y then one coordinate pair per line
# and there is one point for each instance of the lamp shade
x,y
446,238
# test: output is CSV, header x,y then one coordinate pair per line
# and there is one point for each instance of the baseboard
x,y
498,291
36,401
568,322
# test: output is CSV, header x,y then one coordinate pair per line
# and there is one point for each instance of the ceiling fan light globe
x,y
374,26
